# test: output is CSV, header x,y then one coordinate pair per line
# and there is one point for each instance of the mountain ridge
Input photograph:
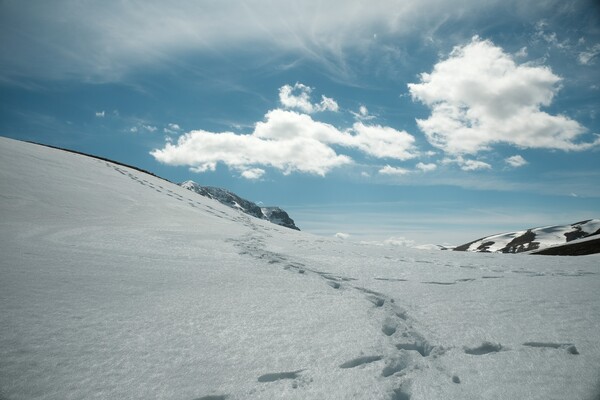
x,y
535,240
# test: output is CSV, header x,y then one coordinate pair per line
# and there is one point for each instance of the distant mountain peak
x,y
275,215
534,239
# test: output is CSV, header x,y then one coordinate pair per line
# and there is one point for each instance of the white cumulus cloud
x,y
382,141
327,103
474,165
389,170
253,173
374,140
516,161
467,164
288,141
100,114
298,97
426,167
479,96
172,128
202,150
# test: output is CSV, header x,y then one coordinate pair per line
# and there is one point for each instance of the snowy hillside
x,y
581,247
115,284
272,214
534,238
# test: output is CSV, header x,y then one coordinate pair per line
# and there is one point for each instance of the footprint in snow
x,y
422,347
377,301
276,376
571,349
391,279
334,284
355,362
400,394
389,327
335,277
395,365
484,348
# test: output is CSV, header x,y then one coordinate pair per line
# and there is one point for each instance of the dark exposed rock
x,y
521,243
278,216
465,247
485,247
578,233
573,249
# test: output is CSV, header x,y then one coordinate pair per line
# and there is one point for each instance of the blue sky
x,y
400,122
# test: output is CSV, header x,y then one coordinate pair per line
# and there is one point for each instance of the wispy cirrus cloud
x,y
150,128
589,55
480,96
362,114
96,41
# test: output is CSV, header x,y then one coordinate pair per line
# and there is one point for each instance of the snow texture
x,y
115,284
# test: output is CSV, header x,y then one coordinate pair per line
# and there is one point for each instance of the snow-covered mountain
x,y
534,238
116,284
272,214
580,247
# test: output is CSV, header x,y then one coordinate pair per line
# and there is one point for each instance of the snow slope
x,y
534,238
118,285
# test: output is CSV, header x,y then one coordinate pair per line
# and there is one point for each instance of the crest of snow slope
x,y
116,284
272,214
533,239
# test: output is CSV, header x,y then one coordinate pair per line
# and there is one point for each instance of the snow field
x,y
117,284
